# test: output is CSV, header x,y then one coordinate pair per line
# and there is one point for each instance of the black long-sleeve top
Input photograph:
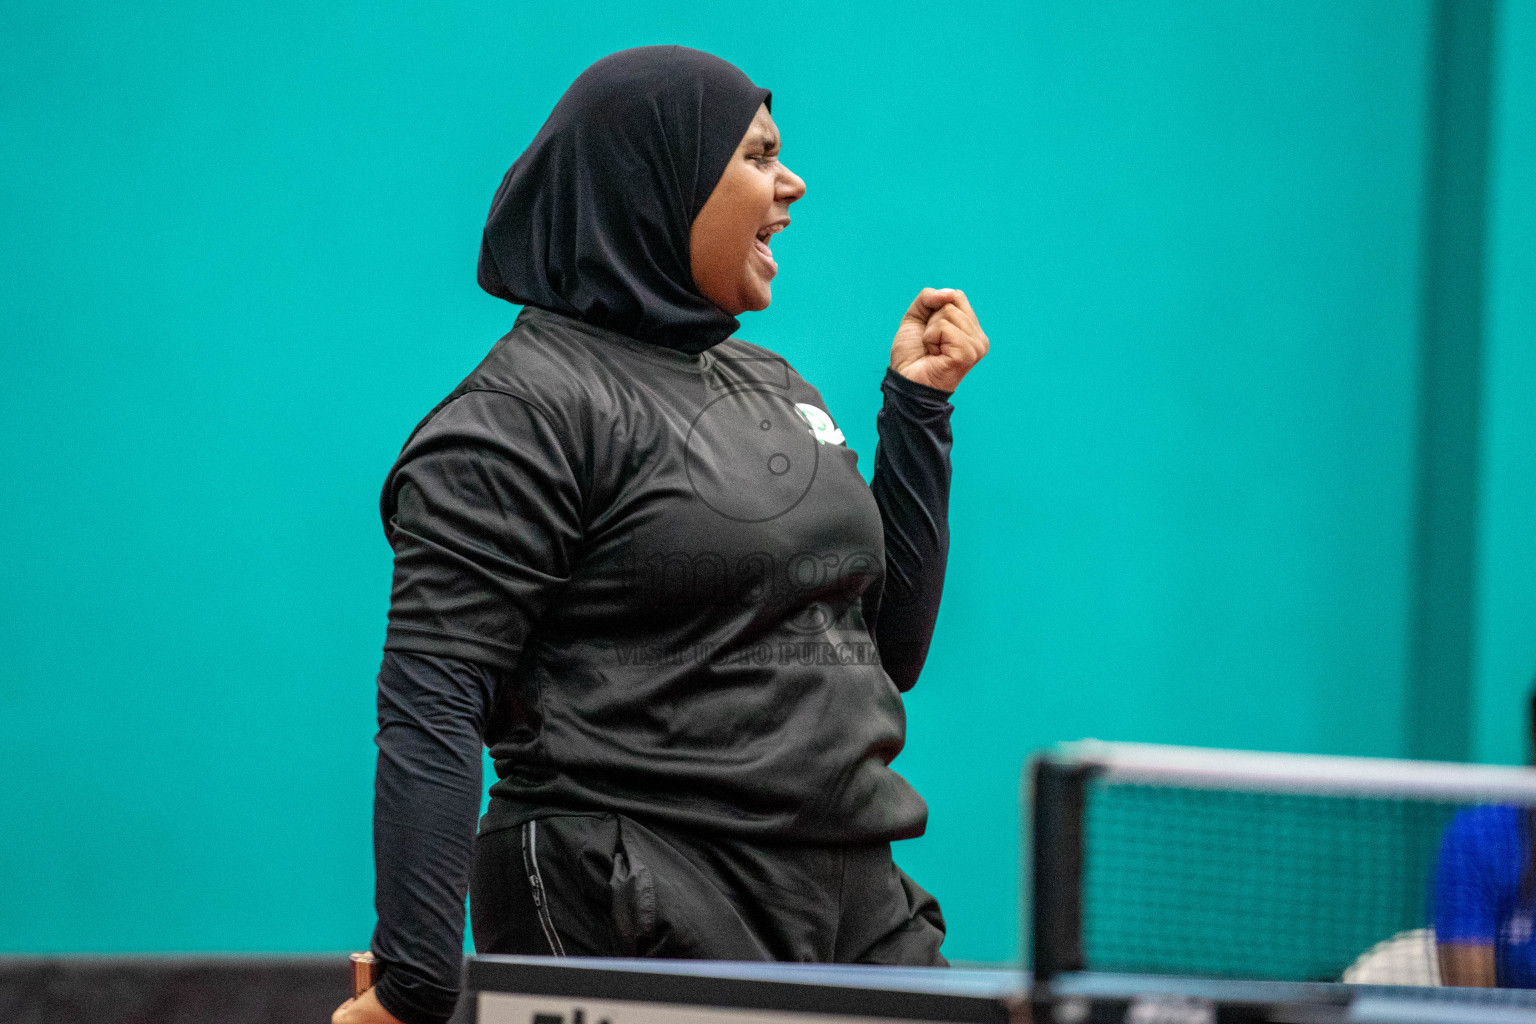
x,y
654,583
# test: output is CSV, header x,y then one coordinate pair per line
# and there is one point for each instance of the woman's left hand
x,y
939,339
364,1009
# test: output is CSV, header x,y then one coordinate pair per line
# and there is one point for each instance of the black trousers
x,y
607,885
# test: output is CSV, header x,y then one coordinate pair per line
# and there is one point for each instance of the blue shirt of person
x,y
1477,889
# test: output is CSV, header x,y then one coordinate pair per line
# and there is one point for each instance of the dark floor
x,y
232,989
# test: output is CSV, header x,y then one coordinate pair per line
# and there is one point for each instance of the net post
x,y
1058,798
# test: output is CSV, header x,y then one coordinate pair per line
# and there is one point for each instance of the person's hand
x,y
365,1009
939,339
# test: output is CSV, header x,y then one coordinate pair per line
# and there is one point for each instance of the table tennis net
x,y
1159,860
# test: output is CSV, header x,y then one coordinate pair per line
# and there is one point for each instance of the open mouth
x,y
762,241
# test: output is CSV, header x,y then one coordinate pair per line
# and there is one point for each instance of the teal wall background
x,y
237,265
1506,649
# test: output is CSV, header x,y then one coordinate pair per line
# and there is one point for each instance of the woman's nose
x,y
791,186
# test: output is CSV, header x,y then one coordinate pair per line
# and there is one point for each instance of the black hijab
x,y
592,220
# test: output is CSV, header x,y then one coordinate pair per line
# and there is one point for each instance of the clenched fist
x,y
939,339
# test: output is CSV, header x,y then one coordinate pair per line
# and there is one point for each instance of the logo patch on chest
x,y
822,427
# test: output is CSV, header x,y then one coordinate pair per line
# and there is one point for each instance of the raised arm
x,y
911,487
937,343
